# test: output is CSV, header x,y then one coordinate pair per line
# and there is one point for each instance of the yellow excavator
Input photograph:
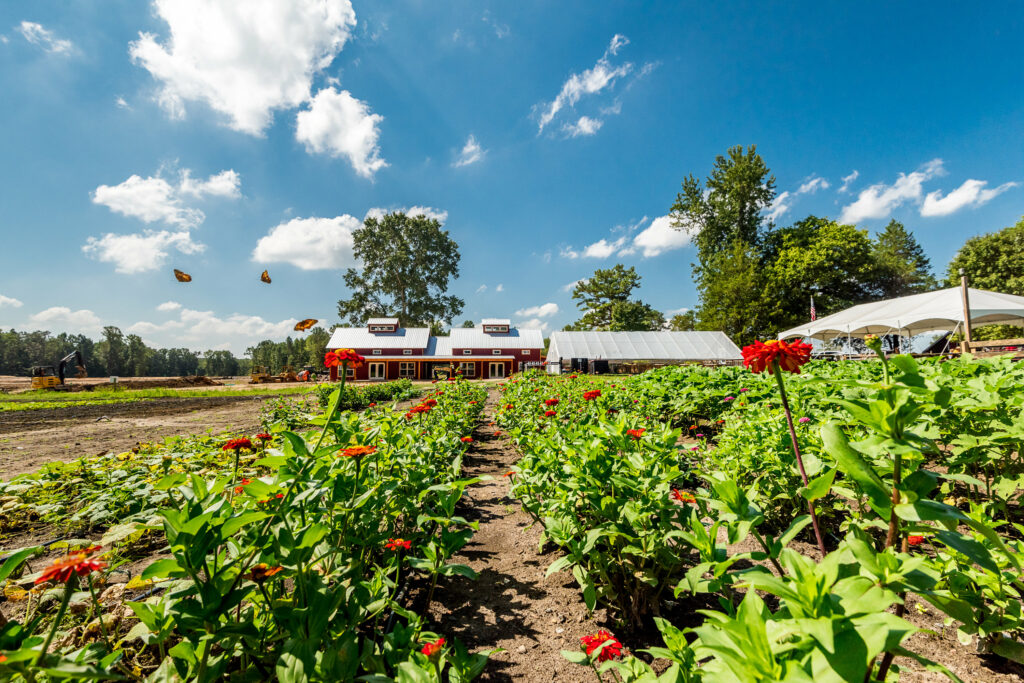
x,y
47,377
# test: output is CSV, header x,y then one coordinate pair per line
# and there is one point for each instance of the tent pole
x,y
966,346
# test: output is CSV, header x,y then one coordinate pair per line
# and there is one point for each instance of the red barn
x,y
493,349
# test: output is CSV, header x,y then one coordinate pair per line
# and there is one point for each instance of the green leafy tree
x,y
726,219
113,351
683,322
605,300
730,205
816,257
316,346
903,268
466,324
136,356
993,261
407,264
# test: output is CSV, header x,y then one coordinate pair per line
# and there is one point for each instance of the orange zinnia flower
x,y
763,356
339,357
398,544
74,563
636,433
358,451
467,439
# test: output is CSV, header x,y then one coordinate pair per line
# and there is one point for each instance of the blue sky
x,y
552,138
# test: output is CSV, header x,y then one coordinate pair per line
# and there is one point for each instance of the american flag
x,y
814,315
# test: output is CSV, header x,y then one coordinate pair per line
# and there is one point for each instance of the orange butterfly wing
x,y
304,325
265,277
182,276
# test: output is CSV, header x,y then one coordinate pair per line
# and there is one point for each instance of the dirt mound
x,y
155,383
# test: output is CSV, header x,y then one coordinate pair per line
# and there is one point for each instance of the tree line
x,y
755,278
113,354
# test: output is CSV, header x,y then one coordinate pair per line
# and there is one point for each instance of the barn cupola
x,y
382,325
496,325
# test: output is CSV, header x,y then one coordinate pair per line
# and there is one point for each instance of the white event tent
x,y
938,311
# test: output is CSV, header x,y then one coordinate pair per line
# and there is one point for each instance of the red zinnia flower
x,y
263,436
551,402
612,647
915,540
430,402
508,407
591,395
239,489
497,433
636,433
398,544
510,473
762,356
573,376
237,445
683,496
467,439
549,413
373,404
434,648
74,563
338,357
358,451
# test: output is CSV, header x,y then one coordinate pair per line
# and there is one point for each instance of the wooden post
x,y
966,346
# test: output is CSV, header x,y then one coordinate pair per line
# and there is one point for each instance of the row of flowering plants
x,y
868,463
296,555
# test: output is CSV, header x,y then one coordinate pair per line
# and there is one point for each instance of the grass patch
x,y
117,394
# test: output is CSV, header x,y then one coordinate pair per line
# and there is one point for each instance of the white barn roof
x,y
382,321
476,338
626,346
941,310
496,321
361,338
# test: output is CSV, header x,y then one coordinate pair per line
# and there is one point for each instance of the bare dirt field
x,y
31,438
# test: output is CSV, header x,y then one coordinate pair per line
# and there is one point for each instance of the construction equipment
x,y
46,377
260,374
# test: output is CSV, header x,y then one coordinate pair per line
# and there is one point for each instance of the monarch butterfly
x,y
304,325
265,277
182,276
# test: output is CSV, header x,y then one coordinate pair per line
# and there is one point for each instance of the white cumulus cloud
x,y
243,59
339,125
168,306
542,311
534,324
156,199
471,153
971,194
430,212
878,201
43,37
9,302
207,330
500,288
140,252
585,125
310,243
779,206
660,237
62,319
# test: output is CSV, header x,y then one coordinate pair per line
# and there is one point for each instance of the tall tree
x,y
994,261
726,219
683,322
816,257
903,268
114,350
467,324
605,300
407,264
316,346
729,207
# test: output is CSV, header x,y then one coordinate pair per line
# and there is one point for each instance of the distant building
x,y
637,351
492,349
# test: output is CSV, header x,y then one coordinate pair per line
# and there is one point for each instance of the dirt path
x,y
511,605
28,439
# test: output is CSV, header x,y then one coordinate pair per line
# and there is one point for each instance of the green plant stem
x,y
775,562
69,588
796,451
234,478
98,610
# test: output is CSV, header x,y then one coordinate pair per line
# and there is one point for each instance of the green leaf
x,y
818,487
14,561
576,657
290,669
164,568
969,547
853,465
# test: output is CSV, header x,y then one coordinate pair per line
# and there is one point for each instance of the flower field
x,y
683,483
684,499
